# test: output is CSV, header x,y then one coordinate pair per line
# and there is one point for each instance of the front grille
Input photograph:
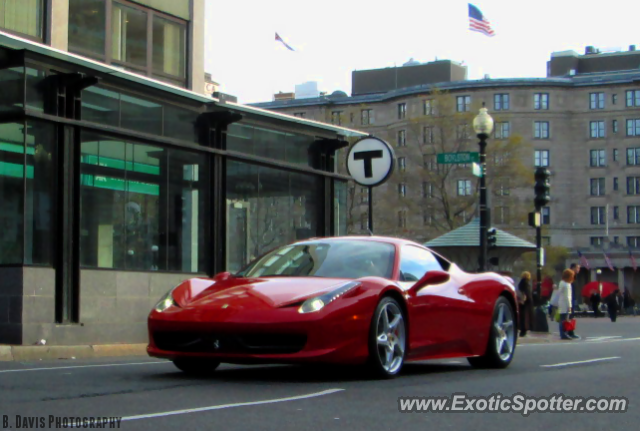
x,y
204,342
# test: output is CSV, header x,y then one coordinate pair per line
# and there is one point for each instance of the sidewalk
x,y
540,338
35,353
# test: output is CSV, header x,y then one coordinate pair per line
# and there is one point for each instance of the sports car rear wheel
x,y
387,339
502,338
196,367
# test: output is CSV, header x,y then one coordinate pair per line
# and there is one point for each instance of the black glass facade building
x,y
115,187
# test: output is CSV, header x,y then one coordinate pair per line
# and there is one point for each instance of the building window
x,y
541,101
364,221
139,39
614,99
367,117
541,130
633,98
614,126
596,101
427,133
503,189
616,213
502,130
597,158
127,193
402,218
402,138
633,241
427,218
402,189
463,103
633,127
633,156
300,114
502,215
546,215
597,215
464,188
402,164
364,195
633,214
336,118
402,111
633,185
615,183
597,187
429,162
541,158
429,107
597,241
462,131
427,190
500,102
22,17
596,129
615,154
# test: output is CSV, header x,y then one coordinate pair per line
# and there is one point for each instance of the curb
x,y
34,353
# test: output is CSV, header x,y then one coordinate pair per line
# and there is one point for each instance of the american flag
x,y
633,261
583,260
478,22
606,259
279,39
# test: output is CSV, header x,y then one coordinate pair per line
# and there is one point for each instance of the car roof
x,y
387,239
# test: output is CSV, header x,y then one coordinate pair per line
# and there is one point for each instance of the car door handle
x,y
461,291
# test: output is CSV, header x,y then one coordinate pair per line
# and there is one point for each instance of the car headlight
x,y
318,303
166,302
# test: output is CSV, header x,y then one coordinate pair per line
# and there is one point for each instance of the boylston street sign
x,y
458,158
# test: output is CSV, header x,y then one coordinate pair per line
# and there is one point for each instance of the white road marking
x,y
84,366
227,406
582,362
574,343
604,338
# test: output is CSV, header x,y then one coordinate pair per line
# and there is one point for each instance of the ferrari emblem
x,y
216,344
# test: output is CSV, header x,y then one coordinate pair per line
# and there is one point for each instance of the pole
x,y
371,209
484,223
538,290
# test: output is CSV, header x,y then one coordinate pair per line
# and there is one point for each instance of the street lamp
x,y
483,125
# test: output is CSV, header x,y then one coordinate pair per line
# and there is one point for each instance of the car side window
x,y
416,262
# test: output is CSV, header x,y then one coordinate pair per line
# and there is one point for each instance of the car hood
x,y
251,293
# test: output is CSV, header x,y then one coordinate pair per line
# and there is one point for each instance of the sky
x,y
332,38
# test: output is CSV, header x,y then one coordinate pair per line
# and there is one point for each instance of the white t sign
x,y
370,161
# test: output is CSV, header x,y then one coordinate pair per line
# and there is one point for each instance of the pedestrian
x,y
525,299
612,304
575,267
553,302
564,302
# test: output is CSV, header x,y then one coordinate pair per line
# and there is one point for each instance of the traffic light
x,y
542,187
492,238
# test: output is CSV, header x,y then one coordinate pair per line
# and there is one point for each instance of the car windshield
x,y
336,259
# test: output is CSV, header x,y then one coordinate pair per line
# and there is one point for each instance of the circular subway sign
x,y
370,161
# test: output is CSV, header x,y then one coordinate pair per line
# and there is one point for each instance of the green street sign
x,y
457,158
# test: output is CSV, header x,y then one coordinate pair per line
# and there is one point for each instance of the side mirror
x,y
430,278
222,276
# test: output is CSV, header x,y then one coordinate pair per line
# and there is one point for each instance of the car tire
x,y
387,339
501,345
196,367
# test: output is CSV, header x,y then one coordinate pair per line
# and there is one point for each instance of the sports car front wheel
x,y
196,367
502,338
387,339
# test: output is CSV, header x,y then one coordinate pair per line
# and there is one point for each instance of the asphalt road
x,y
150,394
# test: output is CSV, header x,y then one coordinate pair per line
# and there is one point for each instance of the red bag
x,y
569,325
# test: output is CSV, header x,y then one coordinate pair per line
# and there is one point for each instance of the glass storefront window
x,y
22,16
129,35
35,89
87,27
339,207
169,47
180,123
141,115
11,85
101,105
266,208
11,192
40,208
142,207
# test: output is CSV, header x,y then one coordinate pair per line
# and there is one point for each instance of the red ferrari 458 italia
x,y
346,300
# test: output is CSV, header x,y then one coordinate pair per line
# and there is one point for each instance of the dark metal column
x,y
484,219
